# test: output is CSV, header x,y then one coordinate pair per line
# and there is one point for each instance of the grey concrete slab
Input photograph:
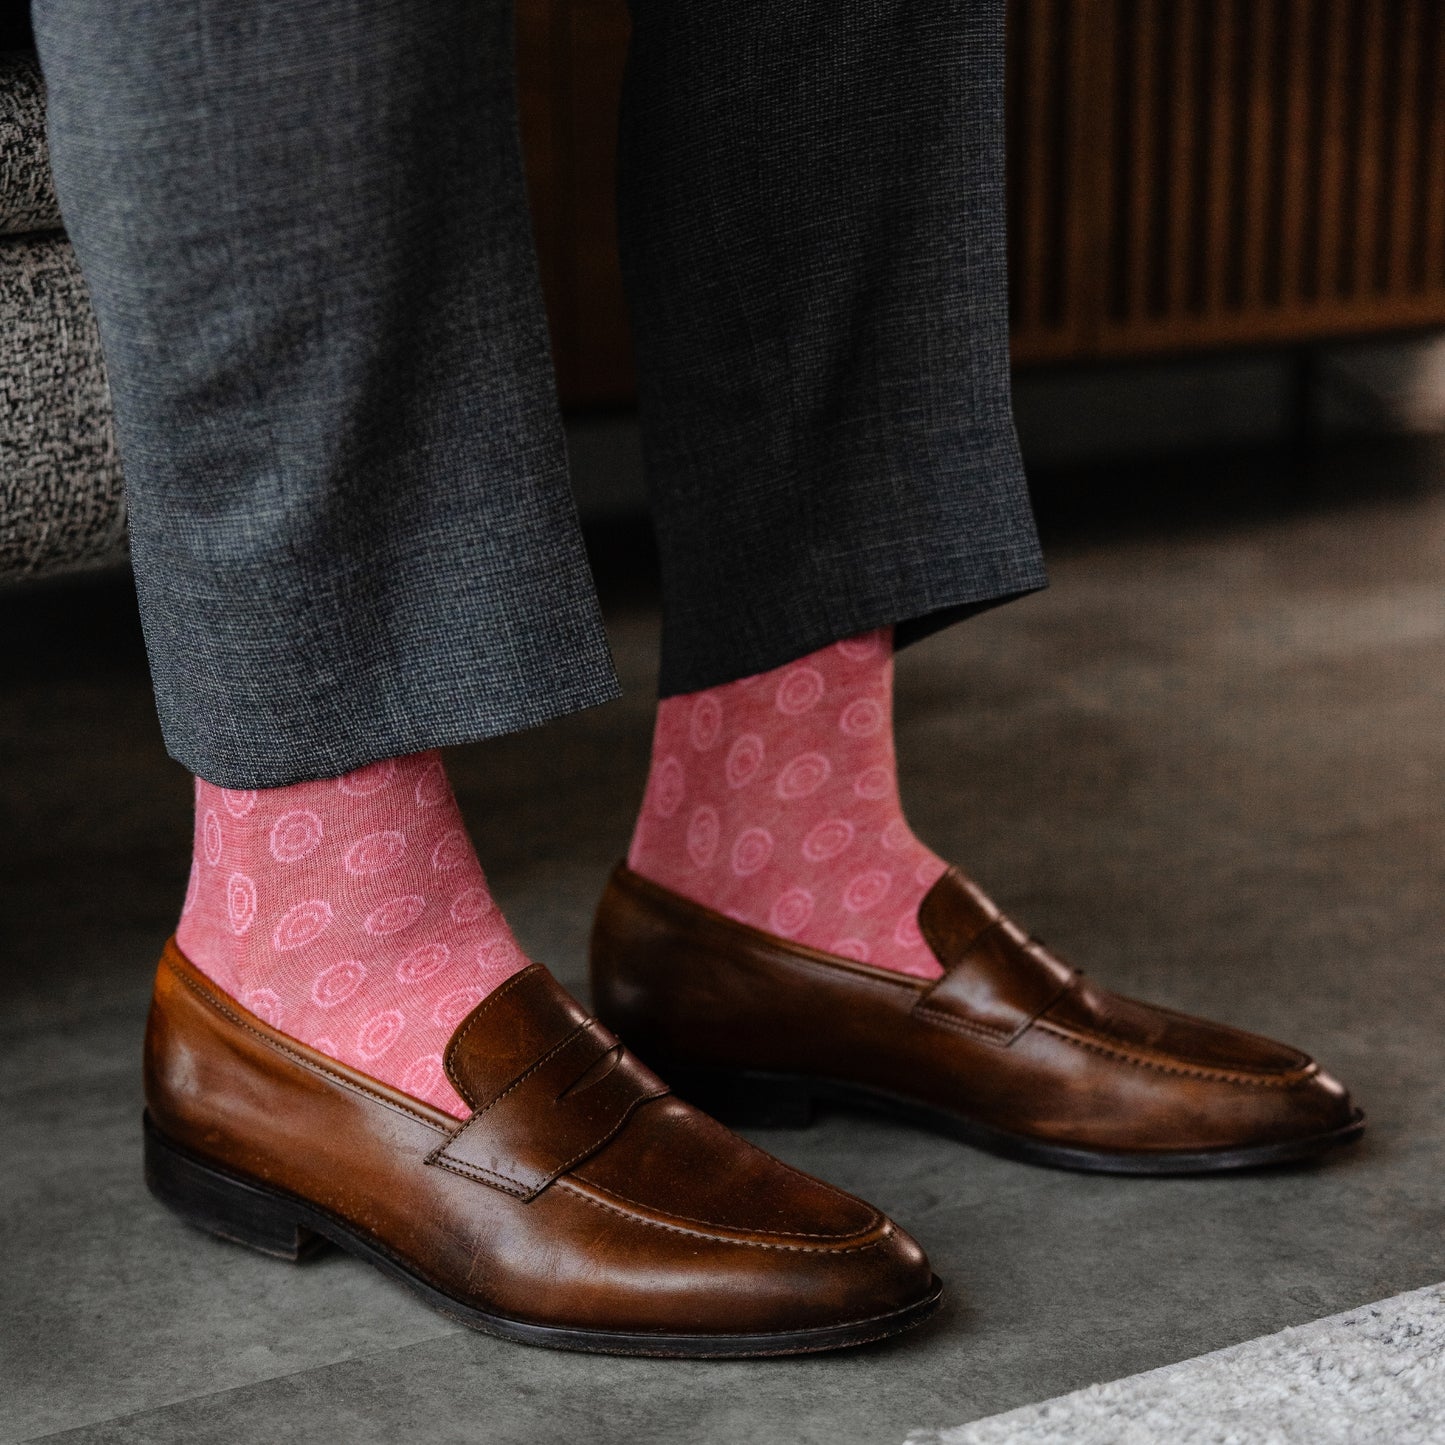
x,y
469,1391
1206,766
107,1303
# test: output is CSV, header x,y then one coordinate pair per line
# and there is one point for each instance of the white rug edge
x,y
1375,1373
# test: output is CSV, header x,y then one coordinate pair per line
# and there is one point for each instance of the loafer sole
x,y
231,1206
752,1097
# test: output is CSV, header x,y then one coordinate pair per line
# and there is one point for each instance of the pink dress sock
x,y
352,914
774,800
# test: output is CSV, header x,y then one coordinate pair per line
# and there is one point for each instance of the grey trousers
x,y
305,234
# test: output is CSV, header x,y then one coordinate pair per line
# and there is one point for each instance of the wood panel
x,y
1183,174
1257,171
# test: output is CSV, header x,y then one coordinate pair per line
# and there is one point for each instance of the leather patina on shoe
x,y
1011,1049
582,1205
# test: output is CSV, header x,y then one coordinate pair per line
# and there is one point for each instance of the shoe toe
x,y
786,1251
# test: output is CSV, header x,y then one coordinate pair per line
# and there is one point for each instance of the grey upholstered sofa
x,y
61,504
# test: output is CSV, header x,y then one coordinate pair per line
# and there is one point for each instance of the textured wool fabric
x,y
775,800
352,914
812,225
61,504
61,501
305,232
27,195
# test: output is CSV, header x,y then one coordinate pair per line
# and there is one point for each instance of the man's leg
x,y
305,234
812,223
812,228
303,225
304,229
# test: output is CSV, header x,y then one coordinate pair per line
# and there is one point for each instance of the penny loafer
x,y
581,1206
1011,1049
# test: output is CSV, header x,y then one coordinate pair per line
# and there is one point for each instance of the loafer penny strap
x,y
997,980
549,1086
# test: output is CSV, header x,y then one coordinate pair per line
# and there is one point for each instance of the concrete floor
x,y
1208,765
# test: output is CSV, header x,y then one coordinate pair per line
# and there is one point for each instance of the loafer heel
x,y
222,1204
743,1098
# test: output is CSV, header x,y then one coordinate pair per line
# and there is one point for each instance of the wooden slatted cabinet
x,y
1183,174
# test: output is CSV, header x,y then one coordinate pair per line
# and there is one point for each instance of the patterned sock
x,y
774,800
352,914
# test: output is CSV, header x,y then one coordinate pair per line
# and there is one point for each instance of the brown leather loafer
x,y
1011,1049
581,1206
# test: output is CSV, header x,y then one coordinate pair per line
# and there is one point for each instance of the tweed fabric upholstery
x,y
27,195
61,504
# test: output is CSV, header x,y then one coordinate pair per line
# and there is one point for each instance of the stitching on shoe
x,y
457,1166
475,1018
440,1157
215,1003
1304,1060
967,1026
437,1156
874,1217
478,1174
589,1149
1223,1076
529,1071
824,968
627,1214
1032,948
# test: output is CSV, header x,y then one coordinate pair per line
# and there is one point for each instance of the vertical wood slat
x,y
1360,264
1143,141
1097,185
1179,117
1405,148
1433,238
1059,63
1332,141
1295,149
1254,171
1252,217
1223,128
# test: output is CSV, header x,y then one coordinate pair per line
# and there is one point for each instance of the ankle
x,y
774,800
350,913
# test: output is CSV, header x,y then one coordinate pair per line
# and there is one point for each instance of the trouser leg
x,y
812,223
304,230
